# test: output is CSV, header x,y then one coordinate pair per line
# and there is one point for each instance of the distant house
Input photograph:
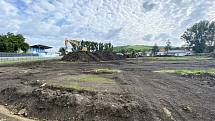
x,y
148,53
179,53
171,53
39,49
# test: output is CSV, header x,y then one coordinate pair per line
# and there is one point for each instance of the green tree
x,y
200,37
168,46
101,47
155,49
12,43
62,51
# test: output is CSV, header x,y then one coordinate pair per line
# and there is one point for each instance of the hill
x,y
142,48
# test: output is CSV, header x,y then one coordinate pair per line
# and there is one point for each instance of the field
x,y
143,89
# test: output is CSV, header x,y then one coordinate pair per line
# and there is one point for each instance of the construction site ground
x,y
73,91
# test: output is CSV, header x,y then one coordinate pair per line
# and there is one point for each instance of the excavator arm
x,y
74,44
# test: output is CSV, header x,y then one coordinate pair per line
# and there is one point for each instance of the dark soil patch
x,y
209,79
212,55
88,56
64,106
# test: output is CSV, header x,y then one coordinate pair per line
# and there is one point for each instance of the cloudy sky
x,y
121,22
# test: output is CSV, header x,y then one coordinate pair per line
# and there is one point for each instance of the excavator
x,y
75,44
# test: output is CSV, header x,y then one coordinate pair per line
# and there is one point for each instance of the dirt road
x,y
157,96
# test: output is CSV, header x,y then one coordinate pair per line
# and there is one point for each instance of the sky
x,y
121,22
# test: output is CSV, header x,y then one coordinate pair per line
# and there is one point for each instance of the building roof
x,y
178,51
40,46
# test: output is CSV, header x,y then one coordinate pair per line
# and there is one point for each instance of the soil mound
x,y
105,56
72,106
212,55
80,56
209,79
88,56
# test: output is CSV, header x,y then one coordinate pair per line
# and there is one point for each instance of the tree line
x,y
96,47
91,46
12,43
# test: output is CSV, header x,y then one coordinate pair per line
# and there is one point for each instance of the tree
x,y
12,43
210,41
24,46
101,47
155,49
168,46
200,37
62,51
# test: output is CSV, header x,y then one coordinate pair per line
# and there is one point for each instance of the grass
x,y
189,71
90,78
17,61
9,62
106,70
80,82
69,85
185,58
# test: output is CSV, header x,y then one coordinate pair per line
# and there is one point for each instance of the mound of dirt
x,y
209,79
72,106
80,56
212,55
88,56
105,56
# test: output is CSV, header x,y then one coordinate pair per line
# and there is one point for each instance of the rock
x,y
22,112
43,85
167,112
78,99
187,108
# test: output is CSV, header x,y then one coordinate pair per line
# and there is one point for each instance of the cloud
x,y
121,22
148,6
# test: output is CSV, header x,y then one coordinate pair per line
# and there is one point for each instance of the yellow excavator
x,y
75,44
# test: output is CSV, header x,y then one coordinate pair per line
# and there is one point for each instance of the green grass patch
x,y
10,62
69,85
106,70
90,78
17,61
189,71
80,82
185,58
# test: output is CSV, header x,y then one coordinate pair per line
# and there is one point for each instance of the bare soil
x,y
139,93
91,56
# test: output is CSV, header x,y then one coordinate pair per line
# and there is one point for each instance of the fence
x,y
22,57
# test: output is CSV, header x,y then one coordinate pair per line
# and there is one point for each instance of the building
x,y
39,49
179,53
171,53
148,53
175,53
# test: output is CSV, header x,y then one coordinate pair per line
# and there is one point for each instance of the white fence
x,y
14,57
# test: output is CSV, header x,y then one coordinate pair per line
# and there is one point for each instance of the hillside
x,y
134,47
142,48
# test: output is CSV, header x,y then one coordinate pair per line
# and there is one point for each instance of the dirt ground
x,y
138,93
